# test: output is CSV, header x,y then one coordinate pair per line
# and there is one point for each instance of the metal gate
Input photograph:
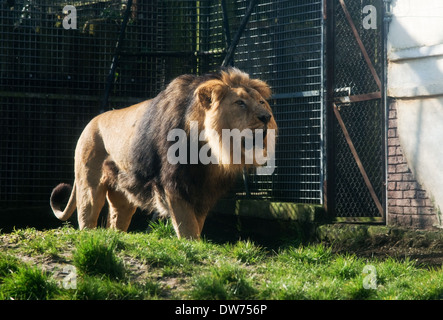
x,y
356,113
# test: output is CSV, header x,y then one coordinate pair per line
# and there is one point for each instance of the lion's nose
x,y
265,117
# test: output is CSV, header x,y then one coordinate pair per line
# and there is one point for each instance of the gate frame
x,y
332,113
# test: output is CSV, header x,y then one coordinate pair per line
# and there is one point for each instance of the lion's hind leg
x,y
90,202
120,210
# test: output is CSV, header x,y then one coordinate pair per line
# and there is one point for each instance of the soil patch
x,y
423,247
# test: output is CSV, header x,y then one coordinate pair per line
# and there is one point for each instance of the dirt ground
x,y
425,247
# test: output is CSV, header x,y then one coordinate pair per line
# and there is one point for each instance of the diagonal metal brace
x,y
360,44
114,63
359,163
230,53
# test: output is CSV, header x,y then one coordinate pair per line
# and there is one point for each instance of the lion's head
x,y
236,107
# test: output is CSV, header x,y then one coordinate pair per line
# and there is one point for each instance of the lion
x,y
122,155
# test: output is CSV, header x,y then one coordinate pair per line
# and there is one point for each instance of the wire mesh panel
x,y
53,77
50,82
363,116
282,44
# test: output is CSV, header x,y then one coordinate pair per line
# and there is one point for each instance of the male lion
x,y
122,155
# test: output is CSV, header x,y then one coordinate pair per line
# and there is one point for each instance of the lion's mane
x,y
151,173
123,154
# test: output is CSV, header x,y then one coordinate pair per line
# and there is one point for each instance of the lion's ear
x,y
262,88
210,92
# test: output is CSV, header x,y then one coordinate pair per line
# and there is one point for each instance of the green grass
x,y
224,281
20,281
95,255
103,288
156,265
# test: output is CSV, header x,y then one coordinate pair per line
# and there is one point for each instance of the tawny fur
x,y
121,156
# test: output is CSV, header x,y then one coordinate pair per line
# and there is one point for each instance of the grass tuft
x,y
27,283
95,254
162,228
246,252
103,288
227,281
8,265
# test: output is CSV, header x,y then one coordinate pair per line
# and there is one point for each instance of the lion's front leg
x,y
185,222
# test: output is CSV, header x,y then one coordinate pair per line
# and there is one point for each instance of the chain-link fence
x,y
362,113
53,80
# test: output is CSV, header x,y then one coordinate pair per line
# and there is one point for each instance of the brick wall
x,y
408,203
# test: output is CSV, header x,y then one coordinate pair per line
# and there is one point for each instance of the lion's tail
x,y
59,196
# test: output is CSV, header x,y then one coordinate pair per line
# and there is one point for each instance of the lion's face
x,y
244,108
236,105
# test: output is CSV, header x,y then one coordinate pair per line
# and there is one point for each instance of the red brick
x,y
408,177
410,210
429,203
398,210
392,114
391,186
395,177
421,194
407,185
392,218
392,133
403,202
392,151
402,168
393,142
395,194
403,186
392,124
418,202
404,220
425,210
396,160
423,221
410,194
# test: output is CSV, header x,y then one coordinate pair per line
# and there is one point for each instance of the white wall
x,y
415,80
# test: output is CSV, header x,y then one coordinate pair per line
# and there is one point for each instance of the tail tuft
x,y
60,199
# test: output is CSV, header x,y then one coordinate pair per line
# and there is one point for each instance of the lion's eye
x,y
262,102
241,103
